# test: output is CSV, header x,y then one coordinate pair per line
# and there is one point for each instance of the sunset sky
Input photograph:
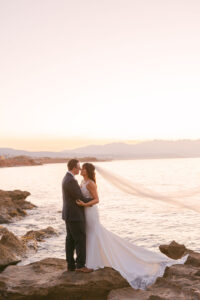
x,y
94,71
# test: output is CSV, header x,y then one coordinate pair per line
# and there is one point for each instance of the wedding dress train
x,y
139,266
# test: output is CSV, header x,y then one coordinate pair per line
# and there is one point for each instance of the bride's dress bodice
x,y
84,189
91,212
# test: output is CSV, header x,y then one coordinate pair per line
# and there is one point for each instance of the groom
x,y
74,218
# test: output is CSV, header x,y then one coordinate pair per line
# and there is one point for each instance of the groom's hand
x,y
80,203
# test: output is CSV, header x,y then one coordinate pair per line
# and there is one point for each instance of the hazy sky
x,y
98,70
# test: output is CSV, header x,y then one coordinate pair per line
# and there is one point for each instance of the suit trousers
x,y
75,240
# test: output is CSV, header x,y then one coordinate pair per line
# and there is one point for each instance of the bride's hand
x,y
80,203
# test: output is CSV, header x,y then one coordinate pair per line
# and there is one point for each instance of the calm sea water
x,y
144,222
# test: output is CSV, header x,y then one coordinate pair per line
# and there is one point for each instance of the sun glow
x,y
73,75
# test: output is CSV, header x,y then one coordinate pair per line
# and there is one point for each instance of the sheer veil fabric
x,y
136,189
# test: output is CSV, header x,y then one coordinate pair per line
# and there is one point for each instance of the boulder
x,y
13,205
32,237
39,235
173,250
13,249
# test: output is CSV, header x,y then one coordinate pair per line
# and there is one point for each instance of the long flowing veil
x,y
136,189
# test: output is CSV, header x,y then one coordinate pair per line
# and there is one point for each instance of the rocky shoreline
x,y
49,278
13,249
13,207
19,161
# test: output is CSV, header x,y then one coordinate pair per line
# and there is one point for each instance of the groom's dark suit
x,y
75,221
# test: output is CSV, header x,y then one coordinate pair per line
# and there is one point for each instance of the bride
x,y
139,266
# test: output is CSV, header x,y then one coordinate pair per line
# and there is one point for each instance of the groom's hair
x,y
72,163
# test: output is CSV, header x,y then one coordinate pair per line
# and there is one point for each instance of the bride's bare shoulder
x,y
91,184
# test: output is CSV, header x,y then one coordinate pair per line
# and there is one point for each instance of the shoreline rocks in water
x,y
13,205
49,279
173,250
13,249
32,237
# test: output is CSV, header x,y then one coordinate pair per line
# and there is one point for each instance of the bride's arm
x,y
92,188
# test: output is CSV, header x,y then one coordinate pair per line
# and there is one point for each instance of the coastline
x,y
22,161
48,278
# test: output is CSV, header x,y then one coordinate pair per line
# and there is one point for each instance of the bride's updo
x,y
90,168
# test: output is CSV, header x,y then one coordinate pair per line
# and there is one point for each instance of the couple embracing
x,y
73,212
95,246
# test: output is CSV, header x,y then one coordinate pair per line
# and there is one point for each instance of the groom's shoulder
x,y
68,178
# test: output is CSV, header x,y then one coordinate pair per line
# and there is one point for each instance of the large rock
x,y
48,279
39,235
13,205
173,250
179,282
32,237
13,249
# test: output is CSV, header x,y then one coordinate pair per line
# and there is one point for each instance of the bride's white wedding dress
x,y
140,267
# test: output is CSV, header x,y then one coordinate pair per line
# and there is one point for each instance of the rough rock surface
x,y
48,279
173,250
13,249
39,235
32,237
13,205
179,282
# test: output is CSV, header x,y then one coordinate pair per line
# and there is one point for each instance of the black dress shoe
x,y
71,269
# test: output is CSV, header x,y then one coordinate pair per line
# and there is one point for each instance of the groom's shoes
x,y
84,270
71,269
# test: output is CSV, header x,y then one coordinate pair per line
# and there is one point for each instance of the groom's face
x,y
77,169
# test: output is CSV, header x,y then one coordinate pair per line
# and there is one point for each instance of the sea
x,y
145,222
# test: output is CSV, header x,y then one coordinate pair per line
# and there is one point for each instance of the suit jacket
x,y
71,192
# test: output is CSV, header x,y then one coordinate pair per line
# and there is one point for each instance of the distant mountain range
x,y
148,149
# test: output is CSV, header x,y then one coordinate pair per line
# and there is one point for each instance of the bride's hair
x,y
90,168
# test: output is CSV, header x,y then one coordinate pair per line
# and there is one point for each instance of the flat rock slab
x,y
128,294
48,279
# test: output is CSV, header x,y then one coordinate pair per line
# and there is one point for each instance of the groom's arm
x,y
76,193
